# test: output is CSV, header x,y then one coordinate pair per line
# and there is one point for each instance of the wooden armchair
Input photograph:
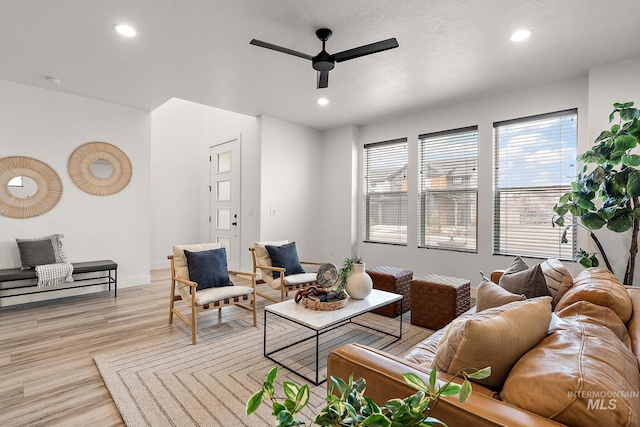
x,y
284,282
201,300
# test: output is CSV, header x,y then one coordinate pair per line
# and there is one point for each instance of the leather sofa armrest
x,y
495,276
383,374
633,326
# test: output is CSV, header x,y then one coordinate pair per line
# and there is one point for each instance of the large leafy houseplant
x,y
350,407
606,191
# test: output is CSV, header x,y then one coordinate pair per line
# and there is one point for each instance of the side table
x,y
396,280
436,300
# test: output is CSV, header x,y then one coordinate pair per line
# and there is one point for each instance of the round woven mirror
x,y
17,171
100,168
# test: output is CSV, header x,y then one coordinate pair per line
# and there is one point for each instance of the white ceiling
x,y
451,51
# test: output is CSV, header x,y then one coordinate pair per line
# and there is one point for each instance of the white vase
x,y
359,283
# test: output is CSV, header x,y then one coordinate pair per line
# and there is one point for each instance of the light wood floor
x,y
47,373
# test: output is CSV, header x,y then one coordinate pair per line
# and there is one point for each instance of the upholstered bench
x,y
107,267
436,300
396,280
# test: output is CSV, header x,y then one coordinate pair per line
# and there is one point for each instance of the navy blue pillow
x,y
285,256
208,268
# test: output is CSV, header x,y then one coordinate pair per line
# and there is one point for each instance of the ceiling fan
x,y
324,62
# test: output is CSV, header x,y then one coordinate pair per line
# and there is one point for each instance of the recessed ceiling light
x,y
518,36
323,101
125,30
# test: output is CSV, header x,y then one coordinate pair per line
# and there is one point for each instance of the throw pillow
x,y
530,282
285,256
490,295
517,265
558,279
41,251
208,268
496,337
599,286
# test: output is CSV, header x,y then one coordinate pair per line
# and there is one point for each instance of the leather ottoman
x,y
396,280
436,300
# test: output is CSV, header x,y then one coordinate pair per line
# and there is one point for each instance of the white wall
x,y
49,126
182,133
291,185
554,97
339,208
616,82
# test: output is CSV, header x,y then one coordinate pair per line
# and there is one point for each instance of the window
x,y
448,198
385,192
17,181
534,165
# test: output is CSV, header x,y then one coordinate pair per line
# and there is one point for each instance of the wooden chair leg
x,y
255,309
172,300
193,320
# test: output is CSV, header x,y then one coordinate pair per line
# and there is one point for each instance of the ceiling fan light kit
x,y
324,62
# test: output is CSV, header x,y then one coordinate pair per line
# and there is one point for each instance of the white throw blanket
x,y
54,274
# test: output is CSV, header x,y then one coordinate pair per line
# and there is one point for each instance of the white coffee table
x,y
324,321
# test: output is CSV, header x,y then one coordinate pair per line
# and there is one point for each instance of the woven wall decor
x,y
80,168
46,196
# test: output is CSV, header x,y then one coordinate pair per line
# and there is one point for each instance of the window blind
x,y
534,164
448,190
385,192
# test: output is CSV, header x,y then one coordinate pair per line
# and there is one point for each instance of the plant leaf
x,y
594,260
415,381
584,261
633,184
339,383
631,160
465,391
620,223
480,374
449,389
290,390
271,376
432,378
592,221
302,398
376,420
254,402
624,142
268,388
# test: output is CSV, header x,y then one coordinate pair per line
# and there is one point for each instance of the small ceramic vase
x,y
359,283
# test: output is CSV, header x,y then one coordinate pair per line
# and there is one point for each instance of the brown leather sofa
x,y
383,372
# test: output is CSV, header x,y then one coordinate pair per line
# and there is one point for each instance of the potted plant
x,y
607,188
353,278
350,407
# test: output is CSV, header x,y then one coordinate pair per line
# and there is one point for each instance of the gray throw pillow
x,y
41,251
530,283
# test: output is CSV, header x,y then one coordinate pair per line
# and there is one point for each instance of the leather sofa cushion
x,y
496,337
582,374
599,286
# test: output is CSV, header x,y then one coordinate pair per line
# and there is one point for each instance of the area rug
x,y
174,383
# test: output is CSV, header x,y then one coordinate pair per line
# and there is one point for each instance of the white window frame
x,y
449,152
384,177
549,143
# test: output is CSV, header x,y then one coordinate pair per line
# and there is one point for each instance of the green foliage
x,y
350,407
605,192
345,271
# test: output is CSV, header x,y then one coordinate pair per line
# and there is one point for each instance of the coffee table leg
x,y
264,348
317,357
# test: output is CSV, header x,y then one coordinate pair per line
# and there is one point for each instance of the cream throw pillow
x,y
558,279
490,295
496,337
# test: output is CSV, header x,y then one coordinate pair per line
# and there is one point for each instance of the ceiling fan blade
x,y
366,50
323,79
280,49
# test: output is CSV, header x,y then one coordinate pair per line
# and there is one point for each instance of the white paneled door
x,y
224,198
